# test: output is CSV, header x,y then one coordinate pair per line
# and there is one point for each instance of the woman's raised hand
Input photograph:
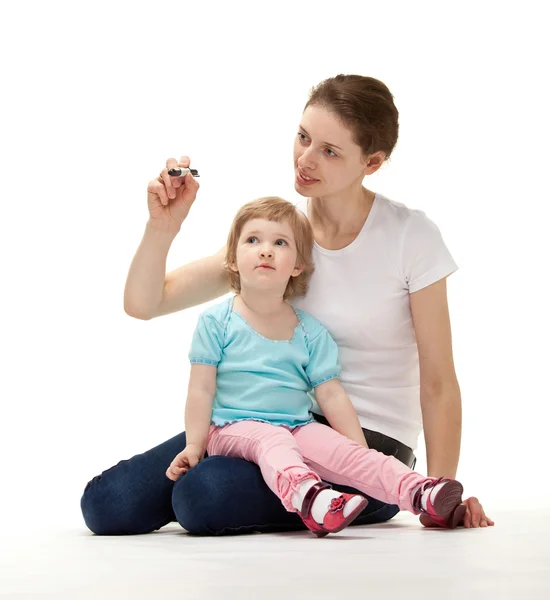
x,y
170,198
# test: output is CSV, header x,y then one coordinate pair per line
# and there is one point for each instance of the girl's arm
x,y
198,408
338,410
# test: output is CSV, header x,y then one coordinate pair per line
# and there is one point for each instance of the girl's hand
x,y
185,460
170,198
475,516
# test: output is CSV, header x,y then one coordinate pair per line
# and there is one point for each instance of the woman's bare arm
x,y
440,396
151,292
193,284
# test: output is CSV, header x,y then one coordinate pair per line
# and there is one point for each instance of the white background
x,y
97,95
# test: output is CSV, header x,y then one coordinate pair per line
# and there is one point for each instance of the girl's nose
x,y
265,252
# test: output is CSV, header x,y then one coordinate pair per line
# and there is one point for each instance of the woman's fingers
x,y
172,183
157,187
475,515
167,181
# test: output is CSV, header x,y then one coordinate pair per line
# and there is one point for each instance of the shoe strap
x,y
310,496
417,500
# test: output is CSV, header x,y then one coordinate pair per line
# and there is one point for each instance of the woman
x,y
378,287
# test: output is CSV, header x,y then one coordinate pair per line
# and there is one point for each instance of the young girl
x,y
254,361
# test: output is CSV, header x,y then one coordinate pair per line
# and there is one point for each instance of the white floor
x,y
399,559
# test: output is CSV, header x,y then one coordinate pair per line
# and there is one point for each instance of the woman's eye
x,y
333,153
302,137
280,243
252,239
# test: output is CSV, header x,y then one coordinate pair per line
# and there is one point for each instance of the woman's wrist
x,y
161,232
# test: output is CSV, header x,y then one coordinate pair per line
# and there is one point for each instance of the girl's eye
x,y
333,153
251,239
302,137
280,243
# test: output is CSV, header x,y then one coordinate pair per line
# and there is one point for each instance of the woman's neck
x,y
343,214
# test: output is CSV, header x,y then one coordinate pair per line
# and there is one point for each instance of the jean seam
x,y
373,514
300,526
255,528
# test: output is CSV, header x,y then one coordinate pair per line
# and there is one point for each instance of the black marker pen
x,y
182,172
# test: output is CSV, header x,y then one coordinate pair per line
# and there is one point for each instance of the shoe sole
x,y
354,513
448,504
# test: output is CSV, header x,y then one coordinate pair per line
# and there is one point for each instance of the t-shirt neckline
x,y
249,326
360,235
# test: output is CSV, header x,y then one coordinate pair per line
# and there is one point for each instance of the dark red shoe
x,y
447,509
334,518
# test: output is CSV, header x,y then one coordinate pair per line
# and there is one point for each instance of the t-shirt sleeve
x,y
424,256
207,343
323,358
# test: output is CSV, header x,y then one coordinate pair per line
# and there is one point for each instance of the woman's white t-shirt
x,y
361,295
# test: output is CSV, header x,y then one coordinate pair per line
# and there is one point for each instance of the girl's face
x,y
266,256
326,159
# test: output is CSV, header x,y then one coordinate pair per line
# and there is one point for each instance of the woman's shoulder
x,y
402,215
398,210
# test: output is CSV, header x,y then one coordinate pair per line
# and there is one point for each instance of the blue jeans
x,y
221,495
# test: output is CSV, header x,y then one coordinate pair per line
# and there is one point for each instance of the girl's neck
x,y
342,214
263,304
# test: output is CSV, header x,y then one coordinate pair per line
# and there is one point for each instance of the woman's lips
x,y
302,181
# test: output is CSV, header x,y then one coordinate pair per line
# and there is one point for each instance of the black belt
x,y
383,443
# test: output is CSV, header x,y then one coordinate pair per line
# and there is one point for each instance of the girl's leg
x,y
275,451
377,511
272,448
336,458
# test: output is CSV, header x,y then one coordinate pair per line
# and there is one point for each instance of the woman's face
x,y
325,152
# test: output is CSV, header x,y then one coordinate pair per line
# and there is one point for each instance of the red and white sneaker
x,y
446,509
334,518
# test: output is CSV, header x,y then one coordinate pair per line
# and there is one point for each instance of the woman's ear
x,y
374,162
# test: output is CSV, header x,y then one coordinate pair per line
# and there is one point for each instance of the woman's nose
x,y
306,161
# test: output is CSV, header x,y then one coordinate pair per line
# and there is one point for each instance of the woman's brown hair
x,y
365,105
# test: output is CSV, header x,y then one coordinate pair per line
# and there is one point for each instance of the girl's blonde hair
x,y
275,209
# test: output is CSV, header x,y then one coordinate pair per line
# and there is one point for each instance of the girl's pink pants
x,y
287,457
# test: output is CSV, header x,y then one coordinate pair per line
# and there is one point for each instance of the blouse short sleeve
x,y
323,359
425,257
207,342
